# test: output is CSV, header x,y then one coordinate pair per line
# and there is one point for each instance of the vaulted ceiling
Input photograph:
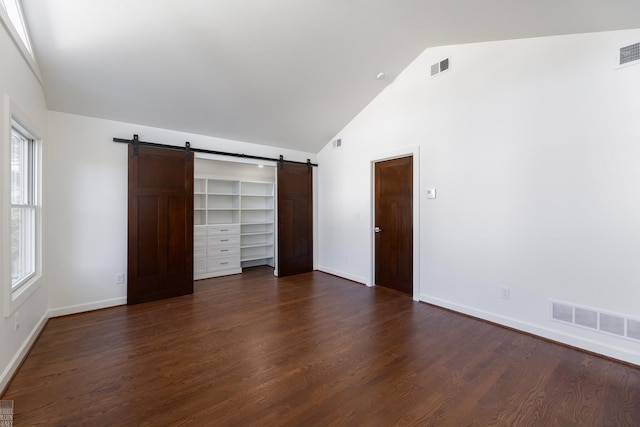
x,y
287,73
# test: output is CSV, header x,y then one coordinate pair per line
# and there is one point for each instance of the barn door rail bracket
x,y
189,149
136,143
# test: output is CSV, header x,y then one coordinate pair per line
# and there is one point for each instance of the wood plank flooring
x,y
309,350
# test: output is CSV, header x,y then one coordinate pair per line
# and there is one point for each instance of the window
x,y
14,12
23,207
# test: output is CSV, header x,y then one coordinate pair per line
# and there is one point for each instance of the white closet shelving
x,y
256,223
233,226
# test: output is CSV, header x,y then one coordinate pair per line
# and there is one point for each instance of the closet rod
x,y
135,141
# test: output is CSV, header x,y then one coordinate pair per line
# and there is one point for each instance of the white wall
x,y
87,212
534,148
20,94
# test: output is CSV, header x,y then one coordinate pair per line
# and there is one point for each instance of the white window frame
x,y
24,267
14,11
15,117
24,45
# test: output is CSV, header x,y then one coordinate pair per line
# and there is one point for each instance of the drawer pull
x,y
224,250
224,263
224,240
224,229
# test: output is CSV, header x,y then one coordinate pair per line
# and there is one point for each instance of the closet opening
x,y
234,211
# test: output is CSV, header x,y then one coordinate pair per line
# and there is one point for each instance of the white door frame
x,y
389,155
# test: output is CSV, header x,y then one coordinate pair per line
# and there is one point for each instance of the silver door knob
x,y
377,229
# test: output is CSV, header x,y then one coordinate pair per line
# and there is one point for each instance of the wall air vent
x,y
628,55
440,67
633,329
337,143
586,318
562,312
612,324
596,320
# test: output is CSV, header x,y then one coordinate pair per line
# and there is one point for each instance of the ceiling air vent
x,y
337,143
628,55
440,67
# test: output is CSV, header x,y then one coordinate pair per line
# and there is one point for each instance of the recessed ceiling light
x,y
380,76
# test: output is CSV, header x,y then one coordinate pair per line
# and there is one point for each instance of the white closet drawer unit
x,y
223,239
199,242
199,237
199,250
199,266
222,251
199,253
223,229
223,263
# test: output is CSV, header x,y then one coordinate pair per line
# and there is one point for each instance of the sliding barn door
x,y
160,247
295,219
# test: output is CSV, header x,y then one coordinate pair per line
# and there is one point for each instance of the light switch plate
x,y
431,193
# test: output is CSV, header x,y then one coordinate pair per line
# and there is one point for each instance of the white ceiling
x,y
287,73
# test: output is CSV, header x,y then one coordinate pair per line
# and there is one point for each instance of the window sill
x,y
19,296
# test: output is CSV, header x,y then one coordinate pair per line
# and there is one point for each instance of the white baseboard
x,y
613,352
15,362
342,274
80,308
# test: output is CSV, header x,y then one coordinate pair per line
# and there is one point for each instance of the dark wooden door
x,y
394,224
295,219
160,246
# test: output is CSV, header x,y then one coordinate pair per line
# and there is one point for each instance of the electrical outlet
x,y
505,293
119,278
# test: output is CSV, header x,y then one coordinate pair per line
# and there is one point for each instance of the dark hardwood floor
x,y
309,350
